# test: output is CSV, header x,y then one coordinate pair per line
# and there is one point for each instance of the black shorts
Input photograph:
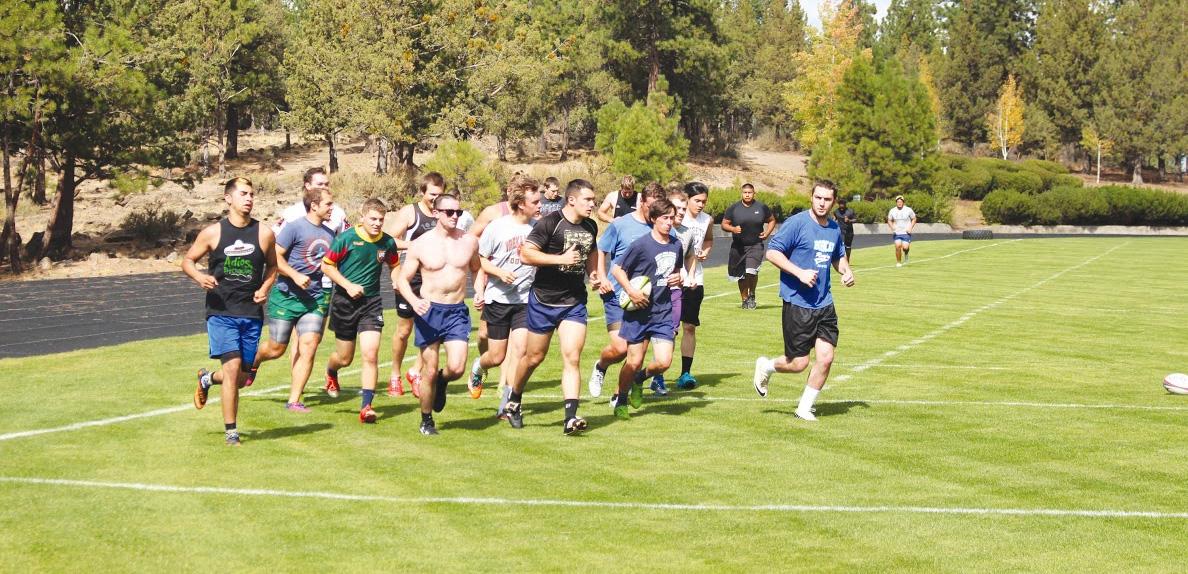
x,y
691,298
802,328
848,239
503,318
349,317
403,309
744,260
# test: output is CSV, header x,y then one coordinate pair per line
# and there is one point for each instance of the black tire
x,y
977,234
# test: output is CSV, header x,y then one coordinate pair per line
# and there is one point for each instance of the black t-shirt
x,y
840,215
750,218
562,285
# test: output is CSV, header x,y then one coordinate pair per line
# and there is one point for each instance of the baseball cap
x,y
898,197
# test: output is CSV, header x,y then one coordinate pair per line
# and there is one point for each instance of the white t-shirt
x,y
901,218
337,222
692,237
500,243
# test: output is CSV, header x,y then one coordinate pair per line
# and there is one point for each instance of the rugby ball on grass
x,y
643,283
1176,383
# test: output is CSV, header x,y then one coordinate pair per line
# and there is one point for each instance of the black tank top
x,y
625,205
238,265
421,224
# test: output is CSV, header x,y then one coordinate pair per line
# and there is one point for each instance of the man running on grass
x,y
803,249
241,270
443,256
560,247
357,309
698,237
502,290
750,222
657,256
412,221
902,220
301,297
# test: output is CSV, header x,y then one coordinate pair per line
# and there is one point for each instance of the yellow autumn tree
x,y
1005,122
1097,145
934,103
812,96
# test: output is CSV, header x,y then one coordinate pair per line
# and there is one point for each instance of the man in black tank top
x,y
409,223
621,202
241,269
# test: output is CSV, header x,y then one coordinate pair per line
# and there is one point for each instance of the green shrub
x,y
464,168
972,182
1044,165
1020,181
151,223
1008,208
781,206
1066,180
128,183
1070,205
929,208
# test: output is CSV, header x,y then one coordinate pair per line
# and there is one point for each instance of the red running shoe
x,y
367,415
331,387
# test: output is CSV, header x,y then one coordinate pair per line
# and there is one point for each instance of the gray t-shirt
x,y
901,219
500,244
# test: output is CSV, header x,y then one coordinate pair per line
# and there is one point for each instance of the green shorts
x,y
289,307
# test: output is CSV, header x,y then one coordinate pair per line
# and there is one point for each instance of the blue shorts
x,y
612,312
545,318
233,337
904,237
658,326
443,322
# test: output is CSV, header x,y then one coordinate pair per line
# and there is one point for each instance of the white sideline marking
x,y
525,502
181,408
876,361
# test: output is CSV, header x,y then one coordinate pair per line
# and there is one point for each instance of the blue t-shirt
x,y
305,245
808,245
621,233
646,256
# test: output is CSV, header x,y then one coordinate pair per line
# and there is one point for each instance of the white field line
x,y
859,271
265,391
965,318
571,503
923,402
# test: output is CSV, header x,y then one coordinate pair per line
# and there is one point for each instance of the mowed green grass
x,y
985,375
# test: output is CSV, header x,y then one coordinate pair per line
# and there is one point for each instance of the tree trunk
x,y
61,222
232,149
288,141
653,47
1137,177
501,147
1099,163
542,147
333,154
409,148
565,135
39,178
381,154
10,242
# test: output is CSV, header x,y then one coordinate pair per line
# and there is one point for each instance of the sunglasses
x,y
450,212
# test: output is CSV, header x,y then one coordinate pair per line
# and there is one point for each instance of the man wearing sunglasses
x,y
444,256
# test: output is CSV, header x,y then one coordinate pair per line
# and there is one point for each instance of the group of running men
x,y
530,259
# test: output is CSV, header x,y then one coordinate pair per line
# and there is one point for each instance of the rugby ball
x,y
1176,383
643,283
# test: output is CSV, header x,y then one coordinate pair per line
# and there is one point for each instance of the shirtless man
x,y
443,256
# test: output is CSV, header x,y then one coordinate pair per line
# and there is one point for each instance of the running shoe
x,y
686,382
331,387
297,407
395,386
428,428
200,392
621,410
761,376
596,382
251,378
414,381
367,415
658,386
233,439
635,397
575,425
515,415
475,384
806,415
504,397
439,393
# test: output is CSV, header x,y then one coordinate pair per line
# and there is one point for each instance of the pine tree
x,y
910,23
643,140
1069,35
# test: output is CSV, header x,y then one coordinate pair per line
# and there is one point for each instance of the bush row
x,y
1108,205
928,208
973,178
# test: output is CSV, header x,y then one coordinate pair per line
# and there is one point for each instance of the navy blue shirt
x,y
808,245
646,256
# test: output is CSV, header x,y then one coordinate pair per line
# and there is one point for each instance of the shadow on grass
x,y
286,432
703,380
825,408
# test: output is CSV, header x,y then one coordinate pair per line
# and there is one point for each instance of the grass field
x,y
996,406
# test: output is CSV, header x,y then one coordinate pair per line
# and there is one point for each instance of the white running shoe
x,y
596,382
762,373
899,264
806,415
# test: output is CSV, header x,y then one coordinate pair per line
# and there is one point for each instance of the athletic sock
x,y
206,380
515,397
686,364
807,398
368,396
229,430
229,426
332,372
598,365
426,418
640,375
477,367
571,406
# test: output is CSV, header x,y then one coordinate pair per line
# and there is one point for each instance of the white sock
x,y
807,399
769,366
476,368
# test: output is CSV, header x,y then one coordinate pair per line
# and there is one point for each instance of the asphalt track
x,y
59,315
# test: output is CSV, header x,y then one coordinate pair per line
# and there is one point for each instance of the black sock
x,y
441,377
571,406
640,375
230,427
515,397
332,372
686,364
598,365
426,418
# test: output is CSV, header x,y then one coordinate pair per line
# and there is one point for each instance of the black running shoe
x,y
428,428
439,394
575,425
515,415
